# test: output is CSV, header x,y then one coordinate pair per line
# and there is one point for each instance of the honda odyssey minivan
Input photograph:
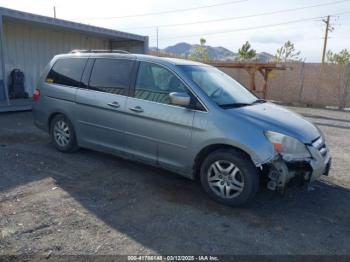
x,y
180,115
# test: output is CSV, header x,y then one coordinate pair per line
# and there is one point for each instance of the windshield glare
x,y
221,88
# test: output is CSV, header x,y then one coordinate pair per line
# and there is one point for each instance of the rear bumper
x,y
40,119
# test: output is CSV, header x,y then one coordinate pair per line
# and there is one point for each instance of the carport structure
x,y
29,41
263,68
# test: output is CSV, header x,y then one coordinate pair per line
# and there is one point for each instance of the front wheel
x,y
229,177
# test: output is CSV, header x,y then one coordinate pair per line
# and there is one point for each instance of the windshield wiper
x,y
259,101
233,105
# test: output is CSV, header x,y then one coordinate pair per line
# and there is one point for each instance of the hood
x,y
276,118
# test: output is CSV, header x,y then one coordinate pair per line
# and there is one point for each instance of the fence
x,y
308,84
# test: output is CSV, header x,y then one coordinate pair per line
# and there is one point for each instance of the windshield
x,y
222,89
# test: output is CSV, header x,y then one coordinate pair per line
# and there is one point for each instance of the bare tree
x,y
287,53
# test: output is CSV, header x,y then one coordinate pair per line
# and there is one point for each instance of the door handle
x,y
114,104
136,109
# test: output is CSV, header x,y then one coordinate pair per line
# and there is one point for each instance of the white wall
x,y
30,47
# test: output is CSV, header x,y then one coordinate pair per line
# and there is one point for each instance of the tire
x,y
229,177
63,135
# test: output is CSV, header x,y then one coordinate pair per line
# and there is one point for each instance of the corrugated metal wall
x,y
3,95
30,47
130,46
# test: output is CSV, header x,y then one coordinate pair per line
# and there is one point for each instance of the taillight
x,y
36,95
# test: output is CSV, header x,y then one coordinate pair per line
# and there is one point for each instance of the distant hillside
x,y
264,57
215,53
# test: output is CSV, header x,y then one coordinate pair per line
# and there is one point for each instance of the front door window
x,y
155,83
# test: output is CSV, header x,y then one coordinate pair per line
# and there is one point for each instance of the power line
x,y
291,27
256,27
245,16
167,11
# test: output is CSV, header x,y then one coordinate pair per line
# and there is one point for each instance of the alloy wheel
x,y
61,133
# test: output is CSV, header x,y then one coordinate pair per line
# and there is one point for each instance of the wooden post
x,y
266,77
265,73
301,90
326,21
251,72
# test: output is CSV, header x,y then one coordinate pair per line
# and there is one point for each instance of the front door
x,y
155,130
101,104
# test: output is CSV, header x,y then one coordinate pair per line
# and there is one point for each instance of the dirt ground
x,y
93,203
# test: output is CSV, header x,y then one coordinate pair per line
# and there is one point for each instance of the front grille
x,y
319,143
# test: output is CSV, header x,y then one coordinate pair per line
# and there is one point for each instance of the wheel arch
x,y
204,152
56,113
51,117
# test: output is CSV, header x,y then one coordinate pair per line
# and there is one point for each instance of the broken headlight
x,y
289,147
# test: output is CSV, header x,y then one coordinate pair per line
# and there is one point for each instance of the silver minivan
x,y
183,116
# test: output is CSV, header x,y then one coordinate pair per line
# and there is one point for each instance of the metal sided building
x,y
29,41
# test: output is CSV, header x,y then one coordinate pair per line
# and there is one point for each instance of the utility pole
x,y
157,42
329,28
54,12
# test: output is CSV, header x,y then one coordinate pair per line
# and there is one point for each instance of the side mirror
x,y
180,99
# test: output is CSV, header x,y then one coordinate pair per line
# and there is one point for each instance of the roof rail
x,y
98,51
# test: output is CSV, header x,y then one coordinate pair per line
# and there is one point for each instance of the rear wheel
x,y
229,177
63,134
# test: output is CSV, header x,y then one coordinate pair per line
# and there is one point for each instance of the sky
x,y
261,31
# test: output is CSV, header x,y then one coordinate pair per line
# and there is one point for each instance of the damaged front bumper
x,y
281,171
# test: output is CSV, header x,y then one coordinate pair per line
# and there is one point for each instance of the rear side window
x,y
111,75
67,71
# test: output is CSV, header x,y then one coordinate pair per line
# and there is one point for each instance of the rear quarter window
x,y
67,71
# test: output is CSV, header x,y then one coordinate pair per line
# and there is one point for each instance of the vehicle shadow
x,y
170,214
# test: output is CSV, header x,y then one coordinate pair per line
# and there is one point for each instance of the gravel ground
x,y
93,203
